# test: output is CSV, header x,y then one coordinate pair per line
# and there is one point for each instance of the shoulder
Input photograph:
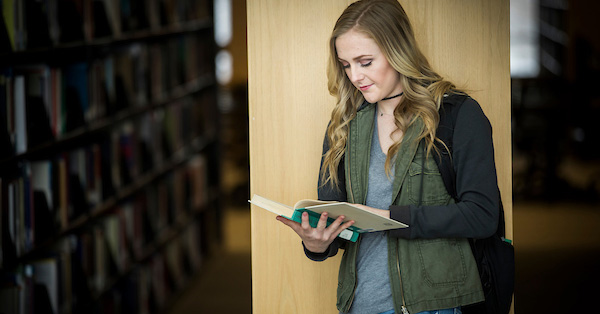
x,y
471,123
461,107
454,102
471,112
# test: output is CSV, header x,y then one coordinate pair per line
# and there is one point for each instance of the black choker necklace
x,y
393,96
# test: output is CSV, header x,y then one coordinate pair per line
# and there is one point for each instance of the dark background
x,y
556,172
556,164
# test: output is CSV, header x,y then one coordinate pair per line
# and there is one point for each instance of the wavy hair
x,y
386,22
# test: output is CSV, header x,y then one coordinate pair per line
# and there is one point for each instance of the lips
x,y
365,87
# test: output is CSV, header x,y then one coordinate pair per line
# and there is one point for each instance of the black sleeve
x,y
476,213
329,192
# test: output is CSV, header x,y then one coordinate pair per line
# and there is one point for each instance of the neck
x,y
381,105
397,95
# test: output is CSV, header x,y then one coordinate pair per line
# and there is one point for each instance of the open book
x,y
364,221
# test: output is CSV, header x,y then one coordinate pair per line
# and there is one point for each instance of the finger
x,y
347,224
343,227
337,222
333,227
322,224
290,223
305,222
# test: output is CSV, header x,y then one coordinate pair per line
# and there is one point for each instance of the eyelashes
x,y
364,65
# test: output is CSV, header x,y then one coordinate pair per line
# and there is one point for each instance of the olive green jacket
x,y
425,274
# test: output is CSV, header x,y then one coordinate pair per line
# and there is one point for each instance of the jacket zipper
x,y
350,184
403,308
357,243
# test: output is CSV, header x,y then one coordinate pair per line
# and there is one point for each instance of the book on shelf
x,y
364,221
124,79
158,280
174,262
37,31
192,245
114,234
76,97
70,19
20,128
179,187
101,20
14,12
173,126
9,297
199,186
46,274
140,228
31,104
6,116
8,27
45,226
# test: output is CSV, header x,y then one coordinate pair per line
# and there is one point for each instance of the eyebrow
x,y
357,58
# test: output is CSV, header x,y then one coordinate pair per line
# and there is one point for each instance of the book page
x,y
364,220
272,206
306,203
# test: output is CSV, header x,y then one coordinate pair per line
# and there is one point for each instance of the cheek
x,y
347,71
390,73
380,74
391,76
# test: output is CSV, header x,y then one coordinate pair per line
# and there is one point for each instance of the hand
x,y
317,239
380,212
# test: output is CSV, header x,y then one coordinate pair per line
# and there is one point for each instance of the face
x,y
366,66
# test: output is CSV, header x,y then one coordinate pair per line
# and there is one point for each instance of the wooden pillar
x,y
467,41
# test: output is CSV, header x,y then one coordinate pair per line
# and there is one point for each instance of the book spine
x,y
19,118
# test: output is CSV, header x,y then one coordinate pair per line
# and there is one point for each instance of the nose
x,y
355,74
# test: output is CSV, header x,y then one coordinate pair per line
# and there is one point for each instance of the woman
x,y
377,154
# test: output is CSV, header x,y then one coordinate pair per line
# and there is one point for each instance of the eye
x,y
366,63
345,65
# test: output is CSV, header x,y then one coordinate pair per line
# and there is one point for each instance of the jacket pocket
x,y
442,261
434,190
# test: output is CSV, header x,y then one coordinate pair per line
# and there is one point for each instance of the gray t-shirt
x,y
373,292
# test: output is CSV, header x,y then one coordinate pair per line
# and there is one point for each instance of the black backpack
x,y
495,255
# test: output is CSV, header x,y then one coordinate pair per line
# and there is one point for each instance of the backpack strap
x,y
445,131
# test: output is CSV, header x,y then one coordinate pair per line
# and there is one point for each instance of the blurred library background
x,y
124,156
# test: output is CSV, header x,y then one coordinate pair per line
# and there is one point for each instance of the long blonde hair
x,y
386,22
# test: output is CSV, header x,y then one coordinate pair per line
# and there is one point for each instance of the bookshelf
x,y
109,153
554,38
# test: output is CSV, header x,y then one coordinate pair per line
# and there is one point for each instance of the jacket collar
x,y
358,153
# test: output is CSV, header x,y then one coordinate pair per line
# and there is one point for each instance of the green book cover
x,y
350,234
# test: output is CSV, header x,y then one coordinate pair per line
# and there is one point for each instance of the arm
x,y
330,193
476,213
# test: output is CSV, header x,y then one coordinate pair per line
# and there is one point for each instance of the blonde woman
x,y
377,154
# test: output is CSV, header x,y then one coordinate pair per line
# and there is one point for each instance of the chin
x,y
371,99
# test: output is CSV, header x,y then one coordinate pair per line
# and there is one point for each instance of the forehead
x,y
353,44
